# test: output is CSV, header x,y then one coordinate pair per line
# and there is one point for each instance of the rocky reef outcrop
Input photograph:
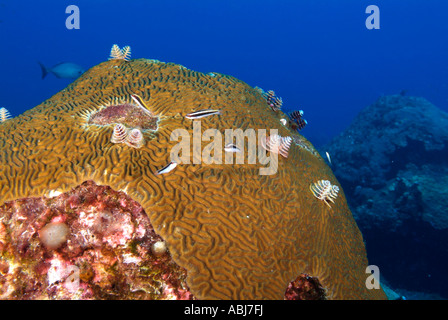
x,y
392,162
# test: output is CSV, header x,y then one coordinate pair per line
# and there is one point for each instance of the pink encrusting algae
x,y
89,243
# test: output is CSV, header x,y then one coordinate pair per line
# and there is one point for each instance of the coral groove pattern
x,y
238,234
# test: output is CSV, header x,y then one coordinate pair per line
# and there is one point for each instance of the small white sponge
x,y
54,234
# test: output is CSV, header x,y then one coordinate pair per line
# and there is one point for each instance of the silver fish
x,y
202,114
231,148
328,157
64,70
169,167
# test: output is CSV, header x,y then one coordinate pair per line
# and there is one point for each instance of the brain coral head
x,y
226,226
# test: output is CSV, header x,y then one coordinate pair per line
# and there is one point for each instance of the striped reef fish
x,y
231,148
139,101
169,167
202,114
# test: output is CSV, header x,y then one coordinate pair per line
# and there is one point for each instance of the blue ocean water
x,y
317,55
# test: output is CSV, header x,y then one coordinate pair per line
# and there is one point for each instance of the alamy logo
x,y
231,148
72,21
373,280
373,20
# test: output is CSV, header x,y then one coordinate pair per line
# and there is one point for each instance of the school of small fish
x,y
133,137
322,189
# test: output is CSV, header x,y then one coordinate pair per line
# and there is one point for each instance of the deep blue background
x,y
317,55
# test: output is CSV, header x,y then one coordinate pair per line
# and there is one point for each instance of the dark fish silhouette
x,y
63,70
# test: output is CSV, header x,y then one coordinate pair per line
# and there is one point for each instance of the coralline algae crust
x,y
101,249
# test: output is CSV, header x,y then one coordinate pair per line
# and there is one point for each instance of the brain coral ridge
x,y
238,234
